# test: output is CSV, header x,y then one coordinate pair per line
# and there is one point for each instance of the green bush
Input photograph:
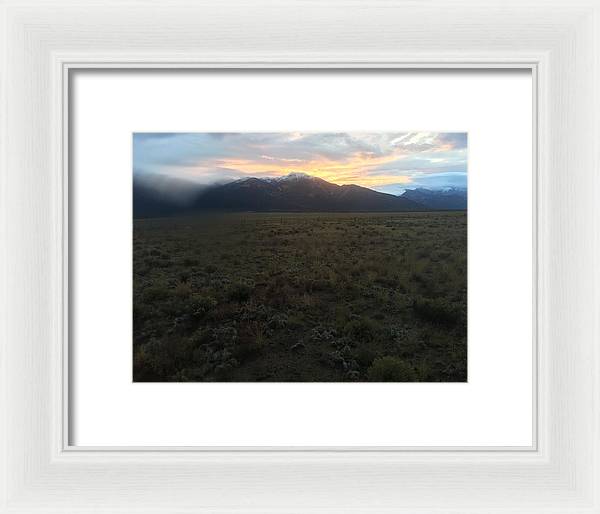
x,y
361,330
155,292
390,369
182,289
158,356
240,291
201,304
246,351
437,311
224,336
365,357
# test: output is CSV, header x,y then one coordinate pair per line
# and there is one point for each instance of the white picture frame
x,y
43,40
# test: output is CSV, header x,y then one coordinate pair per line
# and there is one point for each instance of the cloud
x,y
369,159
173,189
149,136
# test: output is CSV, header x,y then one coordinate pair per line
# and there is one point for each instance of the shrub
x,y
142,312
202,304
247,350
253,311
361,330
182,289
386,280
390,369
223,372
365,357
157,355
210,268
224,336
277,321
155,292
240,291
200,337
321,334
437,311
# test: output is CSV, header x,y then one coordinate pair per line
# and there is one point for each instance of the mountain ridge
x,y
295,192
451,198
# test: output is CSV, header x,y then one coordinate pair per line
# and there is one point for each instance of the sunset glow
x,y
387,162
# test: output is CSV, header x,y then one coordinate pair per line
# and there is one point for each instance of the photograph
x,y
299,256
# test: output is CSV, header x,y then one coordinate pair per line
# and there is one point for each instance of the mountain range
x,y
296,192
451,198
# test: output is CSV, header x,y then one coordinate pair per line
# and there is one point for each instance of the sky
x,y
387,162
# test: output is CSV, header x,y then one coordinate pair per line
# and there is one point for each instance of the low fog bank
x,y
177,191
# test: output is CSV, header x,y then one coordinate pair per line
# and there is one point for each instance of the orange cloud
x,y
353,170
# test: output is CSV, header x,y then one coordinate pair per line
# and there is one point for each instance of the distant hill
x,y
295,192
452,198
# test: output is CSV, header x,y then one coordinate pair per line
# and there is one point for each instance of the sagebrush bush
x,y
365,357
182,289
438,311
240,291
201,304
361,329
155,292
158,357
390,369
246,351
224,336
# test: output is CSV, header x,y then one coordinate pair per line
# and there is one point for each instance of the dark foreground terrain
x,y
301,297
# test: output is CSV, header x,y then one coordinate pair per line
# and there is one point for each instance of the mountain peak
x,y
295,175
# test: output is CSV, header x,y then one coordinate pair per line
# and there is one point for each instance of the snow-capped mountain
x,y
449,198
296,192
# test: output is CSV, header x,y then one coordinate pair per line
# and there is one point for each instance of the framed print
x,y
326,257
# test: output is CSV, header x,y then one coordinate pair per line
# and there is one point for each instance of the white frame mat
x,y
42,40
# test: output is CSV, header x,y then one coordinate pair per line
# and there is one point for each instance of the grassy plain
x,y
301,297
